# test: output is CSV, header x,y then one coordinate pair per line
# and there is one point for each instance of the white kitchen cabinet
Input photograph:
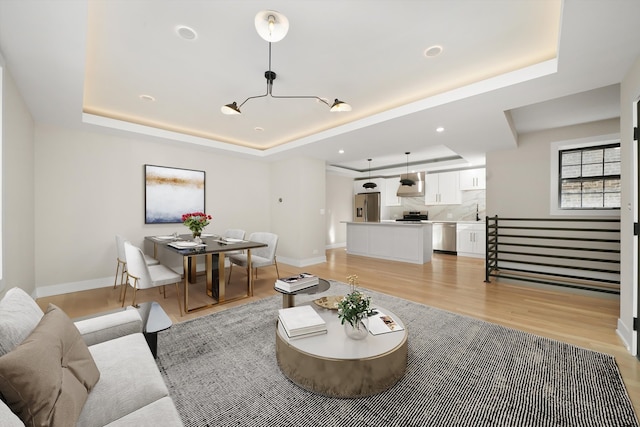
x,y
391,191
442,189
473,179
396,241
471,239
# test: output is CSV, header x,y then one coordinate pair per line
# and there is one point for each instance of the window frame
x,y
554,175
582,178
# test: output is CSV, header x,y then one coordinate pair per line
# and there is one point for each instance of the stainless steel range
x,y
414,216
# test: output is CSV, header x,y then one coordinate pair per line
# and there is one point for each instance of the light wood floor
x,y
448,282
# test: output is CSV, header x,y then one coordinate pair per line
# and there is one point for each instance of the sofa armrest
x,y
106,327
8,418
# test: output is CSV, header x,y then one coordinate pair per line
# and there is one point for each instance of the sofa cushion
x,y
19,314
129,380
46,379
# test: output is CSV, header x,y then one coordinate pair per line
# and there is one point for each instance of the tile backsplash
x,y
466,211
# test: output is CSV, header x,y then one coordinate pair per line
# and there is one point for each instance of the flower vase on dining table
x,y
196,221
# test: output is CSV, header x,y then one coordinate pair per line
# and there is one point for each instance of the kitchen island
x,y
396,241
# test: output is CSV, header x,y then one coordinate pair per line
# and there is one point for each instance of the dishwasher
x,y
444,237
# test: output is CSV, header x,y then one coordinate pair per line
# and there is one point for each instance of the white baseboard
x,y
302,262
65,288
626,335
85,285
337,245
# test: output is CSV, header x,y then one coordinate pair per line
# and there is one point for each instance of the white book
x,y
381,323
292,333
297,282
301,320
288,288
309,334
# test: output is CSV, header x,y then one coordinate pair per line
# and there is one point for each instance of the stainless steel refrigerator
x,y
366,207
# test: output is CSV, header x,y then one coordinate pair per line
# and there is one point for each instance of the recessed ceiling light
x,y
258,129
341,151
433,51
148,98
440,129
186,33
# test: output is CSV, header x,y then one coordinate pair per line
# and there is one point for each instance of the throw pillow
x,y
47,378
19,314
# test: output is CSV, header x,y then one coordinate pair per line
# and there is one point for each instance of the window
x,y
589,177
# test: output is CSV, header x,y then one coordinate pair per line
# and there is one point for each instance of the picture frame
x,y
171,192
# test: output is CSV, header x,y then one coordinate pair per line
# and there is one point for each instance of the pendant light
x,y
406,180
272,26
369,185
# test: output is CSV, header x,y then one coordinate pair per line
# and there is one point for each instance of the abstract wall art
x,y
171,192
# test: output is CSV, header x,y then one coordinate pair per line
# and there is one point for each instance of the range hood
x,y
415,190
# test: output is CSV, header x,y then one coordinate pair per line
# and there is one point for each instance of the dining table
x,y
213,249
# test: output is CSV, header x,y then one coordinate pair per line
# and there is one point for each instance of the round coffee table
x,y
288,298
334,365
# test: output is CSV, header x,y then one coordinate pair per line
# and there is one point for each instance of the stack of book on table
x,y
301,321
297,282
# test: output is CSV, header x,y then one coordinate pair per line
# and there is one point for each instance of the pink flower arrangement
x,y
196,221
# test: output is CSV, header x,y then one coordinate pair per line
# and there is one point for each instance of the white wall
x,y
528,167
90,186
629,95
339,208
298,210
518,179
18,189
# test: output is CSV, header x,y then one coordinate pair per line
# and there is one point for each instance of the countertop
x,y
394,222
389,222
432,221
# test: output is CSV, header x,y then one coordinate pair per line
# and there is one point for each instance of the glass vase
x,y
359,331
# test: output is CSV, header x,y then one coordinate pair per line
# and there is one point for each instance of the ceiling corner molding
x,y
125,126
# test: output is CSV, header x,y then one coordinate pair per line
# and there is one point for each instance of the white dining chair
x,y
143,276
233,233
121,263
260,257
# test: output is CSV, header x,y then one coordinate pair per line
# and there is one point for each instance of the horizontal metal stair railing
x,y
537,243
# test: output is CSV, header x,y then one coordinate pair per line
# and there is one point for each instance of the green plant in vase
x,y
354,310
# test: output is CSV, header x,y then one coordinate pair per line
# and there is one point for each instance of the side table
x,y
154,320
288,298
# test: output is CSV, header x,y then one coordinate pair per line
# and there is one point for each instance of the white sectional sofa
x,y
115,383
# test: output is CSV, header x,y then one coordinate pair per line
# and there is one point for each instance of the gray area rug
x,y
221,370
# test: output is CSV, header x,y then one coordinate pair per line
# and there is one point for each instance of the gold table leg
x,y
191,267
249,274
222,287
185,269
209,267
